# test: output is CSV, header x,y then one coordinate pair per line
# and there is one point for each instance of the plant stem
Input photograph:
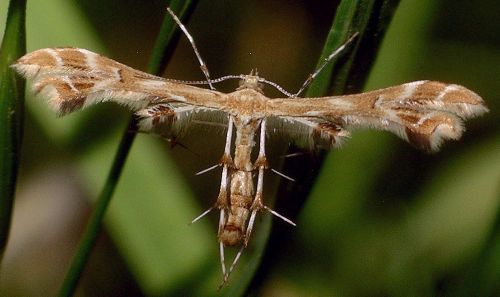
x,y
94,225
370,19
11,113
163,45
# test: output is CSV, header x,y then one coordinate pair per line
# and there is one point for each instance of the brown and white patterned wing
x,y
73,78
173,120
424,113
308,132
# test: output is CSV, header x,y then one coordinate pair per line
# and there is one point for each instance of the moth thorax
x,y
251,82
233,232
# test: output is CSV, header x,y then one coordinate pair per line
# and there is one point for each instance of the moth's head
x,y
251,81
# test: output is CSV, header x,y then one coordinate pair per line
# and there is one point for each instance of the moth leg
x,y
222,261
257,205
231,268
222,201
261,164
226,162
326,61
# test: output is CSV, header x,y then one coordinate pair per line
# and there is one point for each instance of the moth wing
x,y
73,78
173,120
308,132
424,113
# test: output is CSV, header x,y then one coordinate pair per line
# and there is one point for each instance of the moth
x,y
423,113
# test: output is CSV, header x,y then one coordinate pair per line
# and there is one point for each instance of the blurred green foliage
x,y
383,219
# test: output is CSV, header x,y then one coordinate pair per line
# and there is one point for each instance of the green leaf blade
x,y
94,225
11,113
351,16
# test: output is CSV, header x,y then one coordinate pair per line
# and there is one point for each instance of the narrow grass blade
x,y
11,113
162,49
366,17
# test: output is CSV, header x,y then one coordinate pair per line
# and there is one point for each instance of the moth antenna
x,y
190,38
325,62
276,86
227,77
220,79
205,82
